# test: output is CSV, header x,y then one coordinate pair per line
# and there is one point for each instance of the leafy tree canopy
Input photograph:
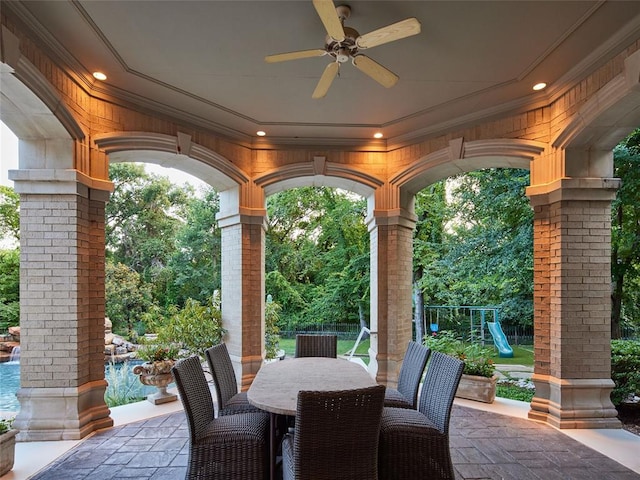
x,y
317,255
128,298
9,288
9,213
625,236
474,243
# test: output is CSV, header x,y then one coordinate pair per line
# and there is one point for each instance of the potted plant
x,y
478,378
7,445
156,370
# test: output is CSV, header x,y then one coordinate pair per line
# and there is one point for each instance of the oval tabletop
x,y
276,385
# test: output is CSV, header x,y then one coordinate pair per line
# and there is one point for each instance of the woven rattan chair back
x,y
228,448
415,359
194,394
316,346
336,435
439,389
224,377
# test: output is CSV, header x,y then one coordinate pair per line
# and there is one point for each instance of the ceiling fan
x,y
344,43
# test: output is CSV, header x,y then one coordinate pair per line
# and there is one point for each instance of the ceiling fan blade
x,y
283,57
327,12
380,74
326,80
395,31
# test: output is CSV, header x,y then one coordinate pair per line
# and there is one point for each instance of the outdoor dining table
x,y
276,385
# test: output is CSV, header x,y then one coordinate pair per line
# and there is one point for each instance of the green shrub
x,y
5,425
195,327
123,388
154,352
271,330
9,289
625,369
477,359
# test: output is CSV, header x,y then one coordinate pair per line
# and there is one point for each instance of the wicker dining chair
x,y
414,444
231,447
336,435
406,395
316,346
230,401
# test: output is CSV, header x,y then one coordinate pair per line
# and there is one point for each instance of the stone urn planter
x,y
474,387
280,354
157,374
7,450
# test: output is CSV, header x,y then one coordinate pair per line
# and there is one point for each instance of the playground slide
x,y
500,340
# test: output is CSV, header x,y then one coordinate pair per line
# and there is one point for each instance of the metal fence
x,y
344,331
467,322
629,332
516,334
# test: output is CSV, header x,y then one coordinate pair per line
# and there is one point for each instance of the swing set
x,y
480,319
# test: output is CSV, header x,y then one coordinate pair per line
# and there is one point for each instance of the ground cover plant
x,y
123,387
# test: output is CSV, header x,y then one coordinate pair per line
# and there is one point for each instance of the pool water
x,y
10,383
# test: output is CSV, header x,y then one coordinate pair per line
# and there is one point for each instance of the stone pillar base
x,y
573,403
68,413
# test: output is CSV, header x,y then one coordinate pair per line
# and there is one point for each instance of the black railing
x,y
342,330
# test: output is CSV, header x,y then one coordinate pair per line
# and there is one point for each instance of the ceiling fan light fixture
x,y
539,86
99,76
343,44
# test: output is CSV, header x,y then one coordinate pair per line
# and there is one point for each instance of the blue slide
x,y
500,340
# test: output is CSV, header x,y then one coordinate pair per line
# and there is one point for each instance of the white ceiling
x,y
203,61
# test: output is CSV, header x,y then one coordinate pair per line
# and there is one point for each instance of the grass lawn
x,y
522,355
289,346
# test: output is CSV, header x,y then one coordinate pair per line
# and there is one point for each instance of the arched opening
x,y
314,192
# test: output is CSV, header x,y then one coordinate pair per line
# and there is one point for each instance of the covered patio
x,y
187,87
488,442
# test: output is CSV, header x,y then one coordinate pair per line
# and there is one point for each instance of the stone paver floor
x,y
484,445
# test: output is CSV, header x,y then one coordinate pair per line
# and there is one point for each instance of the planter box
x,y
481,389
7,451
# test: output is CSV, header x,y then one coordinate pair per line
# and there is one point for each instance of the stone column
x,y
243,283
391,237
572,303
62,228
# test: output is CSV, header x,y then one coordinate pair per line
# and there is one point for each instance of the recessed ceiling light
x,y
261,133
378,135
99,76
539,86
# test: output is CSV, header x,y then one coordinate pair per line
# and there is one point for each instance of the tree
x,y
9,212
317,256
142,220
479,248
491,255
9,288
625,235
10,258
128,298
431,210
195,265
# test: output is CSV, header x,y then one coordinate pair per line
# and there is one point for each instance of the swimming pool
x,y
10,383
